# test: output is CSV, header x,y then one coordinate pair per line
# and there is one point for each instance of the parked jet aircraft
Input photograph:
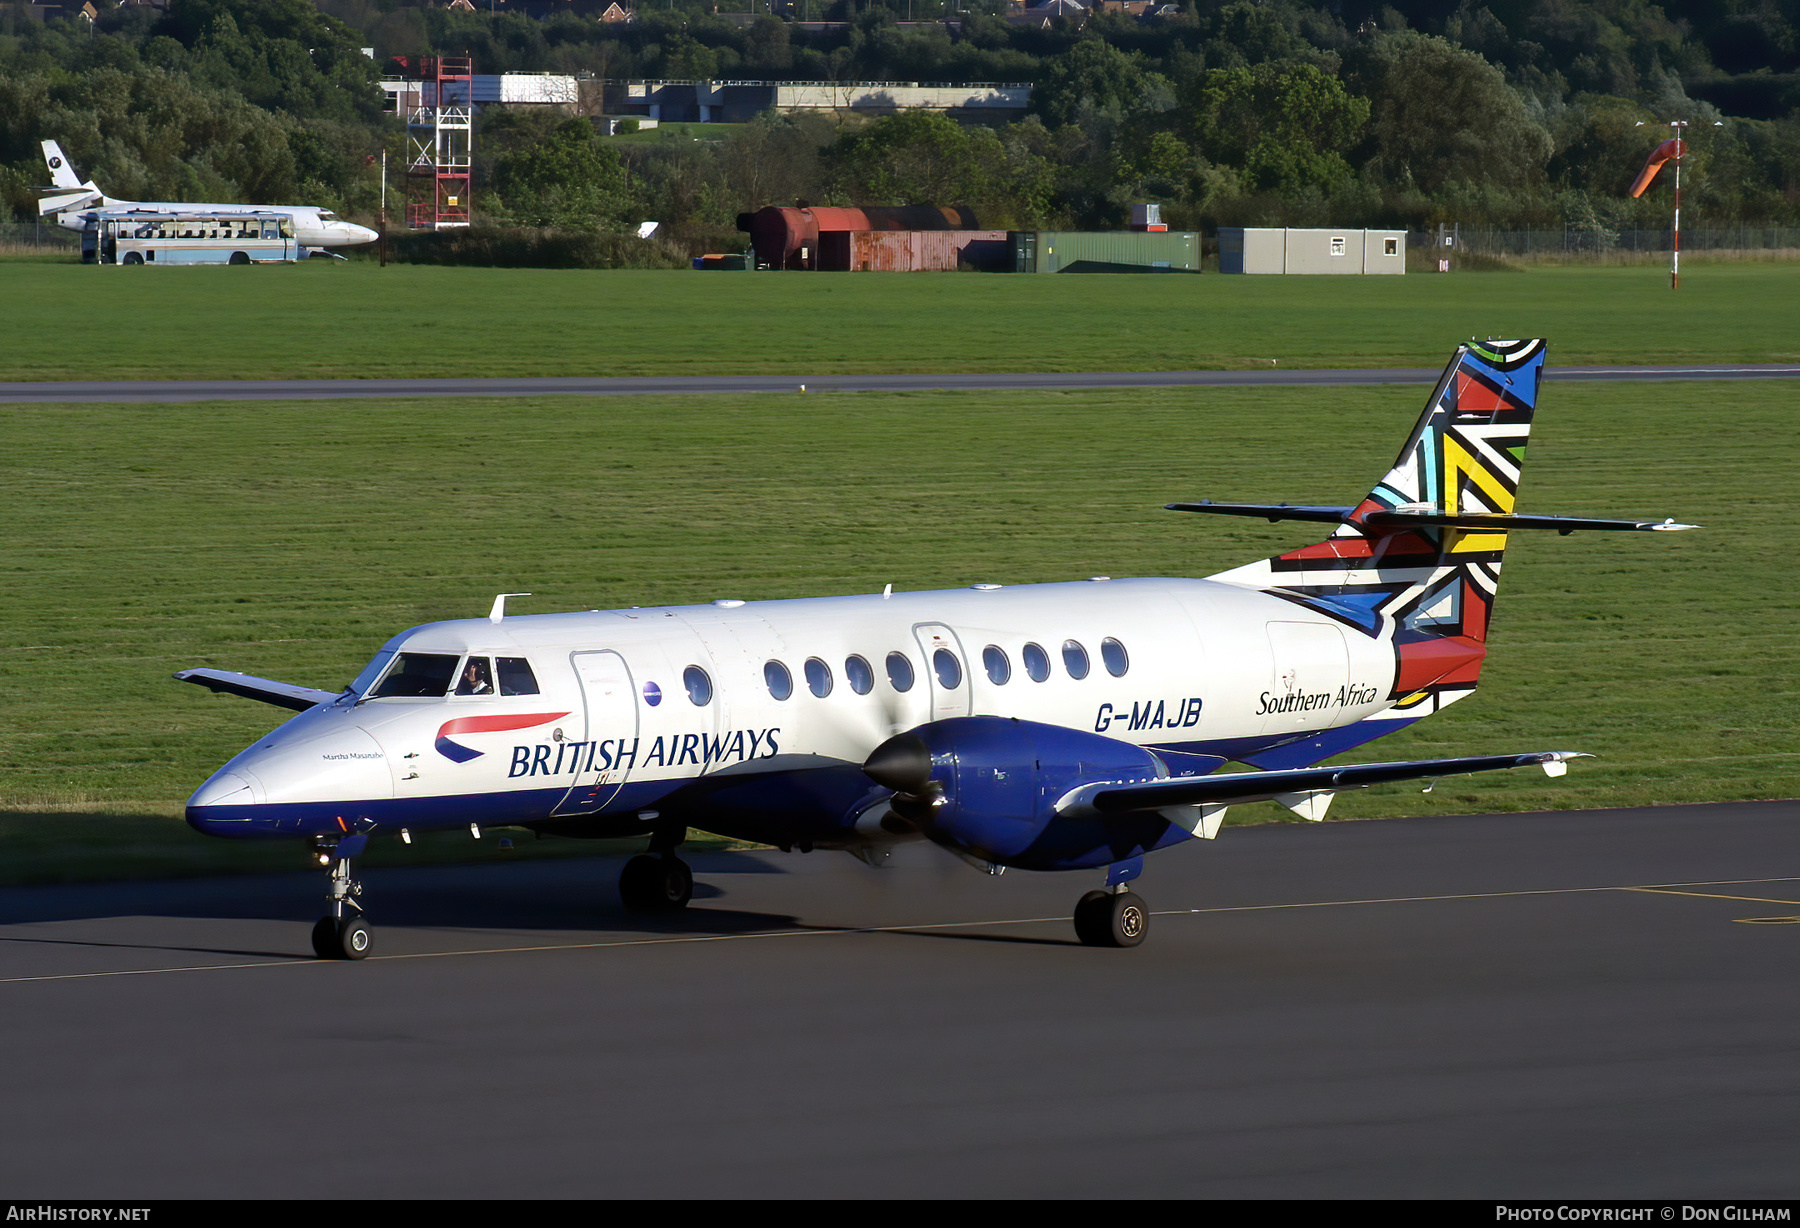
x,y
1044,727
70,200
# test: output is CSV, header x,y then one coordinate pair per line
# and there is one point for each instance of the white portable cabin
x,y
1261,249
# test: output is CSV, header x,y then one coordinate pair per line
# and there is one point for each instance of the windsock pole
x,y
1671,150
1675,254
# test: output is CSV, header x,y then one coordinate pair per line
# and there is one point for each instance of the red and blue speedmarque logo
x,y
459,753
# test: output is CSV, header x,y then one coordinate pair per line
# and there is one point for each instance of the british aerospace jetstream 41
x,y
1044,727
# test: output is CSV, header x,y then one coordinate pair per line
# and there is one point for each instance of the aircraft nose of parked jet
x,y
354,234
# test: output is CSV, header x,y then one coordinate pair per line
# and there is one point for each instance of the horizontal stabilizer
x,y
1270,512
1402,518
63,199
281,694
1286,786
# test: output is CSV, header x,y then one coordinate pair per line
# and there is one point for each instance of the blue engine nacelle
x,y
988,786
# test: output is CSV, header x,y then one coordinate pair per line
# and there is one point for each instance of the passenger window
x,y
477,678
1113,653
699,686
947,668
418,674
999,669
1037,662
516,677
860,674
1075,659
818,677
778,680
900,671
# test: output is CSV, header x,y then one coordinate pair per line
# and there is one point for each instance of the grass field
x,y
325,318
291,539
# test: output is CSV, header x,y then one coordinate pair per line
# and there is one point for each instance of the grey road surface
x,y
1579,1004
358,389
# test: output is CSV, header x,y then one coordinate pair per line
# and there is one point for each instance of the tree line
x,y
1508,113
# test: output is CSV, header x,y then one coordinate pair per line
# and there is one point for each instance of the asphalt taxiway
x,y
75,391
1562,1005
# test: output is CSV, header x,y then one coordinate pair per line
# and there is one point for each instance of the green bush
x,y
526,248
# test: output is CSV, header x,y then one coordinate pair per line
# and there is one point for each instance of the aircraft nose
x,y
293,784
225,805
224,789
360,234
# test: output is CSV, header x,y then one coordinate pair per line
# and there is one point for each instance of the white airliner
x,y
1044,727
70,200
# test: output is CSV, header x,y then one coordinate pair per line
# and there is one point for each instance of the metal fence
x,y
1571,241
37,234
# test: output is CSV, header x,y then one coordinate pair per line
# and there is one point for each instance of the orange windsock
x,y
1662,153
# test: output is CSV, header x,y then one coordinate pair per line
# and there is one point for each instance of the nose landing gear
x,y
341,933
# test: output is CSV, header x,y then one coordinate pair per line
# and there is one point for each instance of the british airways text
x,y
702,750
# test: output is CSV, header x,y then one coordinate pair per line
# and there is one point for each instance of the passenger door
x,y
611,709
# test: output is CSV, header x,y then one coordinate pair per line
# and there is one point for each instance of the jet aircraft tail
x,y
67,191
62,175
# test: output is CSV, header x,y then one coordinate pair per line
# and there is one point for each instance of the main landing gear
x,y
341,933
658,881
1115,917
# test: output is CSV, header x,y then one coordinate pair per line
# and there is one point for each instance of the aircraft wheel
x,y
240,258
1103,919
348,938
656,884
1090,918
354,939
324,938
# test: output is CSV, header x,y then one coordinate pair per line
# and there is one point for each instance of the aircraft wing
x,y
1237,788
281,694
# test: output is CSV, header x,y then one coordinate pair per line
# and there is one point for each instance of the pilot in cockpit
x,y
475,679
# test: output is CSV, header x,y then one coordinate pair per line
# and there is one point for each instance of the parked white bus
x,y
137,236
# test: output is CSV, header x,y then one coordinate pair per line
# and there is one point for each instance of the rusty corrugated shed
x,y
907,251
793,238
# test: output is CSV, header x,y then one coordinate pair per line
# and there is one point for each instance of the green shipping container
x,y
1105,251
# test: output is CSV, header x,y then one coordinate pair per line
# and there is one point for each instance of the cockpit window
x,y
477,678
516,677
326,215
418,674
370,672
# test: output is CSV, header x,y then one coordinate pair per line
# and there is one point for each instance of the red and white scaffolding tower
x,y
440,127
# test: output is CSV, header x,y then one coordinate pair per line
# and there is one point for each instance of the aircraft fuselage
x,y
1199,671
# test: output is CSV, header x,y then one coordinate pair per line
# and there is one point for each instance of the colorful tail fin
x,y
1393,566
